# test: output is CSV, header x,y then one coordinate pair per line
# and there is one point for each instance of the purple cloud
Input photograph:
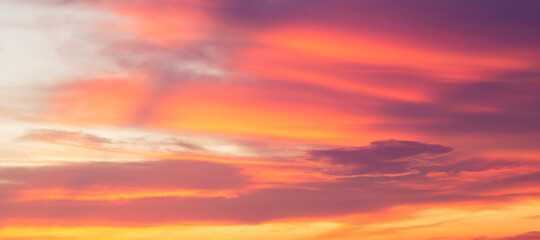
x,y
390,156
526,236
534,235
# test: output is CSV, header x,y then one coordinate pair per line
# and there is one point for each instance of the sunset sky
x,y
269,119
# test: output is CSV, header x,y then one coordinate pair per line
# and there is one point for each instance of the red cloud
x,y
168,174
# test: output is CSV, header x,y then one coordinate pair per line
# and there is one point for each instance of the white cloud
x,y
42,45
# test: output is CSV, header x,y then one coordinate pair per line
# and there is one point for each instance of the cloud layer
x,y
371,119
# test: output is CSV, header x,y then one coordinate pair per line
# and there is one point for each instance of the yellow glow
x,y
269,231
108,193
453,222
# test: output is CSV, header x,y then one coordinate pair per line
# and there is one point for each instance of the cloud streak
x,y
154,174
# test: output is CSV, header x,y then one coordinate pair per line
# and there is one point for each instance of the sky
x,y
269,119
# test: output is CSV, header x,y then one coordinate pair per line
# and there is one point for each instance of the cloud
x,y
230,38
60,136
293,75
533,235
504,105
476,165
260,206
525,236
189,146
97,101
134,144
526,184
169,174
390,156
314,199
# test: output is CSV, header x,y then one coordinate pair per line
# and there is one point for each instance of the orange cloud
x,y
99,101
251,110
305,43
170,23
114,194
